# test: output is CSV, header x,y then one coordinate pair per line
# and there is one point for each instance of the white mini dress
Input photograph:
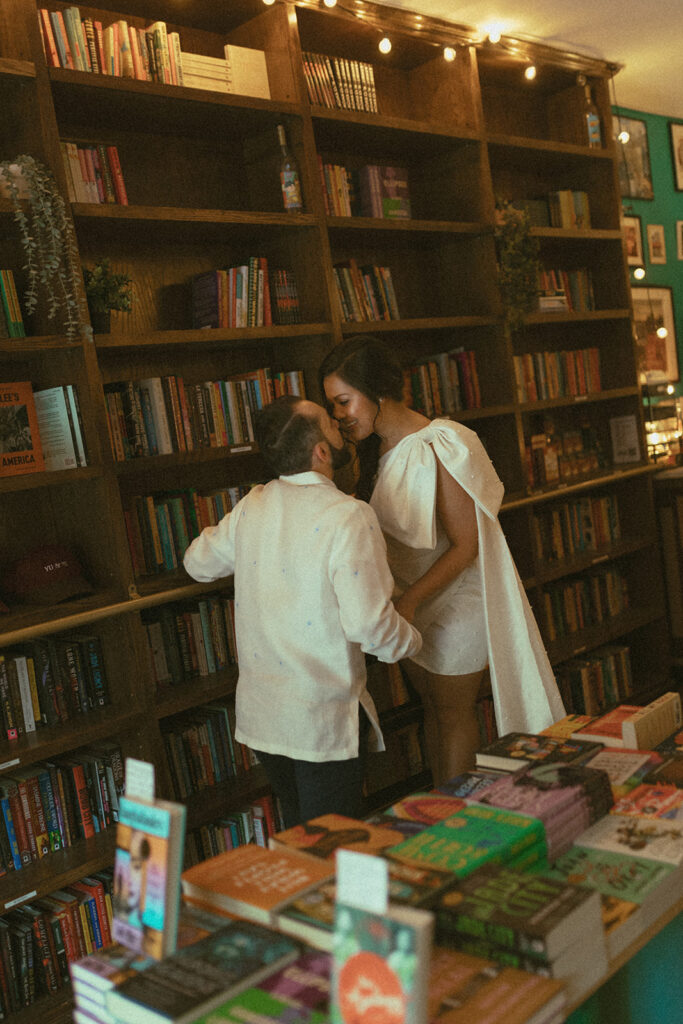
x,y
482,617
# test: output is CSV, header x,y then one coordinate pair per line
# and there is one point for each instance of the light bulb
x,y
385,45
269,3
330,3
662,332
623,136
494,34
530,72
449,53
639,273
670,389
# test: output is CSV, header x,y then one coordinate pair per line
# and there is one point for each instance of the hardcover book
x,y
180,988
253,881
323,836
607,728
520,748
148,861
464,989
20,447
380,965
472,837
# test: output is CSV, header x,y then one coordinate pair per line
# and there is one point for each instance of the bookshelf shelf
x,y
371,224
220,337
216,218
196,691
35,481
613,629
553,148
49,741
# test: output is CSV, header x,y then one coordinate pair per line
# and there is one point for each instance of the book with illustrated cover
x,y
653,838
650,800
380,965
464,989
473,836
516,749
670,771
469,784
253,881
620,874
567,726
529,912
199,977
323,836
20,447
426,808
607,728
150,840
626,768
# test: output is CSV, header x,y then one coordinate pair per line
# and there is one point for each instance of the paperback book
x,y
20,447
426,808
652,838
520,748
469,784
323,836
147,865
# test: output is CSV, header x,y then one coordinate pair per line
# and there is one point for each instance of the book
x,y
607,728
652,800
253,881
465,989
426,808
57,430
247,71
567,726
654,838
323,836
469,783
380,964
520,748
525,911
147,867
625,769
20,447
183,986
471,837
635,727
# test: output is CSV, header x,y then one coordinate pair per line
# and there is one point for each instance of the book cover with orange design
x,y
323,836
20,448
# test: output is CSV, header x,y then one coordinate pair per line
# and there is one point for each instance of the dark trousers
x,y
307,789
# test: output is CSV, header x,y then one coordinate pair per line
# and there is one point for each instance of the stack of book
x,y
635,727
565,290
93,173
365,293
11,320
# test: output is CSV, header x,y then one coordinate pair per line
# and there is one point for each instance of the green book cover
x,y
621,875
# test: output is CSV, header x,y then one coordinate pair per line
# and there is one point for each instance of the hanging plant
x,y
518,263
48,240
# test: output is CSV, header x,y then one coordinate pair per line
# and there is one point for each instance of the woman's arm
x,y
458,516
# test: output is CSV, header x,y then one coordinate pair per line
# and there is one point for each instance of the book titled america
x,y
191,982
323,836
253,881
150,839
20,447
516,749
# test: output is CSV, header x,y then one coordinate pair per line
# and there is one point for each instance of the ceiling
x,y
642,35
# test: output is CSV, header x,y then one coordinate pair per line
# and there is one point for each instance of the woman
x,y
437,496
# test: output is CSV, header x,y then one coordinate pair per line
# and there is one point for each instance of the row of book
x,y
254,823
51,680
245,296
543,375
584,601
190,639
365,293
40,430
565,289
41,938
569,208
553,458
201,749
596,681
340,83
11,318
373,190
93,173
572,527
162,415
53,804
444,383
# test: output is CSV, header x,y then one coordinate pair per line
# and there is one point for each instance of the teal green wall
x,y
666,208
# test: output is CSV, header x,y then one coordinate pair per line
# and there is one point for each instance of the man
x,y
312,594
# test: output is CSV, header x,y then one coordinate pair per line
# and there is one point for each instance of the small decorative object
x,y
676,132
47,237
633,158
105,290
518,263
633,239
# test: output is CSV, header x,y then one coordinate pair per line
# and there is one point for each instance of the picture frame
x,y
656,243
632,231
657,358
679,239
676,136
633,158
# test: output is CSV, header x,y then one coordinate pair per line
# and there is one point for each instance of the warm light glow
x,y
662,332
623,136
530,72
639,273
330,3
449,53
494,32
269,3
670,389
385,45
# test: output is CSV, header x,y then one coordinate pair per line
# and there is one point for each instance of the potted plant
x,y
518,263
105,290
48,240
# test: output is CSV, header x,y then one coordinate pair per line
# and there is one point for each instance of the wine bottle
x,y
591,119
290,182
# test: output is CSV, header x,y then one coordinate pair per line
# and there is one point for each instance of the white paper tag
x,y
362,881
140,783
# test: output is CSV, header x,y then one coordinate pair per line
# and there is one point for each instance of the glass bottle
x,y
591,119
290,181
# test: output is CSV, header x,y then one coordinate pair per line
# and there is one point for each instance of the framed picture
x,y
676,133
633,240
655,243
633,159
679,239
657,356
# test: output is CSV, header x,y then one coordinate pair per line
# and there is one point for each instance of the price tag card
x,y
362,881
140,782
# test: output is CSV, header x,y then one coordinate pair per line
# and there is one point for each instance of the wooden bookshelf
x,y
201,174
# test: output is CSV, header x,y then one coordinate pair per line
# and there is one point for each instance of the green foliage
x,y
48,240
106,289
518,264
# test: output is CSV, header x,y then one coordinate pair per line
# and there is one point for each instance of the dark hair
x,y
287,436
369,366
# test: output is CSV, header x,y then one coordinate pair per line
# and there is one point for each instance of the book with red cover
x,y
20,448
607,728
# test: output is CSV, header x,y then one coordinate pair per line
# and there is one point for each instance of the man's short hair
x,y
287,436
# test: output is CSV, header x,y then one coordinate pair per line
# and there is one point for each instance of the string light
x,y
384,45
493,33
623,136
639,273
530,72
449,53
330,3
269,3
